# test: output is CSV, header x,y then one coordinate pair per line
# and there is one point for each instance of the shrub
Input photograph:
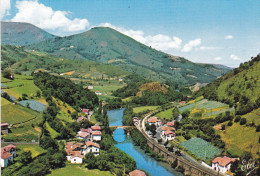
x,y
237,119
223,127
258,128
230,123
243,121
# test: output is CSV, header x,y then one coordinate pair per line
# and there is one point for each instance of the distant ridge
x,y
106,45
19,34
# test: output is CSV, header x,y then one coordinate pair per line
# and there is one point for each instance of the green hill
x,y
16,33
239,88
106,45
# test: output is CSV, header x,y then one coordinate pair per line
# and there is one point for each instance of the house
x,y
222,164
95,128
120,79
81,118
83,135
182,103
91,147
90,87
154,121
171,124
98,93
169,135
85,111
4,128
74,152
7,153
167,128
96,135
137,173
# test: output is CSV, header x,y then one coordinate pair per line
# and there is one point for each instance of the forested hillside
x,y
239,88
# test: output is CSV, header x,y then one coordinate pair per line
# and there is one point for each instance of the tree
x,y
243,121
24,96
153,129
74,115
237,119
26,157
6,73
175,112
230,123
258,128
223,127
38,93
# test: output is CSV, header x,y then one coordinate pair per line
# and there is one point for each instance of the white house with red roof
x,y
7,153
222,164
86,111
169,135
91,147
171,124
96,135
74,152
84,135
95,128
167,128
154,121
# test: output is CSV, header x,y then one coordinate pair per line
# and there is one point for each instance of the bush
x,y
243,121
237,119
258,128
230,123
223,127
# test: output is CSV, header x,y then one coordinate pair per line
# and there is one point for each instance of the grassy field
x,y
5,102
35,149
167,114
53,133
77,170
208,109
241,138
20,85
144,108
253,116
63,114
12,114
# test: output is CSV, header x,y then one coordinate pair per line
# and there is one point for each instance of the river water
x,y
125,143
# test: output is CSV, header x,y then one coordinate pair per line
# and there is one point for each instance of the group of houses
x,y
91,134
7,154
77,151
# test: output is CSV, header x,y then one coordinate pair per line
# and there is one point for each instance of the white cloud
x,y
234,57
191,44
46,18
208,48
229,37
5,7
217,58
159,41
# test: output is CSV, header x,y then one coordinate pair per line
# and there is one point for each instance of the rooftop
x,y
223,161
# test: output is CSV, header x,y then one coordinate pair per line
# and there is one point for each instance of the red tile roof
x,y
96,133
83,134
6,155
137,173
81,118
96,127
168,133
167,128
8,148
223,161
4,124
86,130
153,119
85,110
90,143
170,123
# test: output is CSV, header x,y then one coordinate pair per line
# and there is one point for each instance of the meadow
x,y
166,115
36,150
144,108
75,169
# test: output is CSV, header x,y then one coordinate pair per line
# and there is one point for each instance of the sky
x,y
206,31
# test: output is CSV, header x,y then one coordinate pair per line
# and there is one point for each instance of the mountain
x,y
239,88
16,33
107,45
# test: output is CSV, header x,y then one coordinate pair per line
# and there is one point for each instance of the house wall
x,y
77,160
4,162
96,138
217,167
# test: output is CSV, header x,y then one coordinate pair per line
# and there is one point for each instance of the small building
x,y
171,124
182,103
83,135
98,93
77,158
96,135
7,153
81,118
4,128
95,128
169,135
120,79
222,164
167,128
154,121
90,87
91,147
137,173
74,152
86,111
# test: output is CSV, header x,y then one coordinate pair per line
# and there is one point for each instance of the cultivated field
x,y
144,108
166,115
35,149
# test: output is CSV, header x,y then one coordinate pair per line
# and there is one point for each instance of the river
x,y
125,143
